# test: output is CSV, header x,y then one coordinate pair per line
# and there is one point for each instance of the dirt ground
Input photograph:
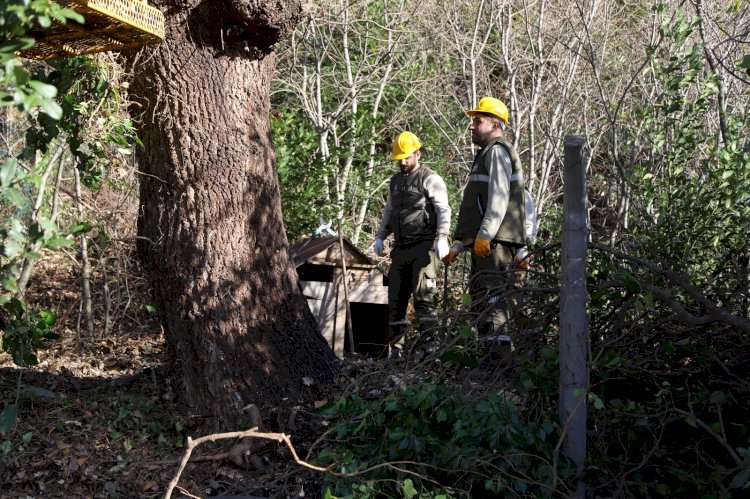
x,y
102,421
106,425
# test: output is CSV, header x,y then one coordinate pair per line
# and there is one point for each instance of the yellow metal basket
x,y
110,25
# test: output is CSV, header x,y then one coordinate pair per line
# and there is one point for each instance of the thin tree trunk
x,y
722,104
28,263
85,264
342,179
373,134
107,297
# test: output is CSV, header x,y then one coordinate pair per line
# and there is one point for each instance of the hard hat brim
x,y
474,112
403,155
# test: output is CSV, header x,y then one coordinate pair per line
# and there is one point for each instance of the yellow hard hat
x,y
490,105
405,145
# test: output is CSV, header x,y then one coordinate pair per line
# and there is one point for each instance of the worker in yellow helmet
x,y
491,220
417,213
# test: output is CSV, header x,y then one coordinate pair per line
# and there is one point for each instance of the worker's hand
x,y
523,258
378,246
453,253
481,247
441,247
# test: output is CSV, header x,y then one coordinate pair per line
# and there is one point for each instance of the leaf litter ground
x,y
110,425
113,429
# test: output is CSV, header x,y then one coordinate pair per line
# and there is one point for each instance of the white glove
x,y
378,247
441,247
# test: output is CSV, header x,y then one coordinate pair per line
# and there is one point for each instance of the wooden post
x,y
573,301
346,289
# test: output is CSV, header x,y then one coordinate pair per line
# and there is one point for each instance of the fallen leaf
x,y
320,403
149,485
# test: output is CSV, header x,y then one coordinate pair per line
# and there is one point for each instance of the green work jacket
x,y
474,201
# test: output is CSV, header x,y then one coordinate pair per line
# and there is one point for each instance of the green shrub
x,y
443,442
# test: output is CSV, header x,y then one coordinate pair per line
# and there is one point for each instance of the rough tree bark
x,y
237,328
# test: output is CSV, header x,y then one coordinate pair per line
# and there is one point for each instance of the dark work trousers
x,y
489,289
413,273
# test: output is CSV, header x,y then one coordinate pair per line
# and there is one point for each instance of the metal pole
x,y
573,301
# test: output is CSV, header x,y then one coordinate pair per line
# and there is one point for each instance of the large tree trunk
x,y
237,328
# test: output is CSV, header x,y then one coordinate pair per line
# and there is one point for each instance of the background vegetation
x,y
660,92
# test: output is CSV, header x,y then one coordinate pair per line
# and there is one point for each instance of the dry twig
x,y
251,433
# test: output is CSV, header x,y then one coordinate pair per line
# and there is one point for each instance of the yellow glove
x,y
450,257
481,247
453,252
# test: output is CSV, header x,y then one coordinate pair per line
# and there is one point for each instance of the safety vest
x,y
413,217
474,202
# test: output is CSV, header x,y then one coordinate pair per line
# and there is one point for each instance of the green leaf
x,y
459,358
43,89
32,255
8,418
718,397
663,489
630,283
59,242
8,172
408,489
69,14
613,360
10,46
465,333
20,74
38,391
9,284
80,228
740,479
51,108
48,317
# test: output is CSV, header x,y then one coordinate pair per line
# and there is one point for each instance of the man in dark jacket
x,y
417,213
492,217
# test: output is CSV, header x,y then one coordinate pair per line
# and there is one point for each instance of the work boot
x,y
394,353
429,334
499,348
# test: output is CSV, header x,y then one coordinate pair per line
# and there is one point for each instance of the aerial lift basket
x,y
110,25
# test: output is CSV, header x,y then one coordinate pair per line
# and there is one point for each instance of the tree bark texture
x,y
238,330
